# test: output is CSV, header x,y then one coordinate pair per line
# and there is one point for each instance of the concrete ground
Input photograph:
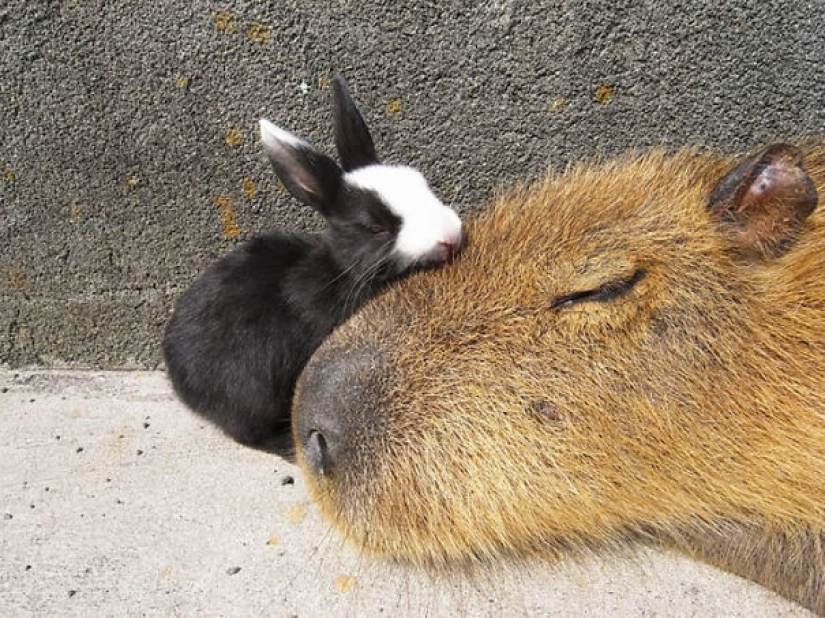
x,y
116,501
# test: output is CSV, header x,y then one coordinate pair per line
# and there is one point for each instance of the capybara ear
x,y
763,202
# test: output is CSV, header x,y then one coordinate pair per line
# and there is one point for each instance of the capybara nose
x,y
330,418
318,453
322,436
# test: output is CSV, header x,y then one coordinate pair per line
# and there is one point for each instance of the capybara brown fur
x,y
630,352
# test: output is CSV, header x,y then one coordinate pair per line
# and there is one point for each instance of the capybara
x,y
624,353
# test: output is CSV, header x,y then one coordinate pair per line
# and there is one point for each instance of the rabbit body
x,y
240,335
243,331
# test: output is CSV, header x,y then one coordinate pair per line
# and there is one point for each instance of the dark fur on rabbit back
x,y
240,335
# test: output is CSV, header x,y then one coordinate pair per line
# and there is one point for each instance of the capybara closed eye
x,y
633,350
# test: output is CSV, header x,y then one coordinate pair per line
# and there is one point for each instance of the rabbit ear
x,y
310,176
352,138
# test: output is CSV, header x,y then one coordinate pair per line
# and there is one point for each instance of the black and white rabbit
x,y
240,335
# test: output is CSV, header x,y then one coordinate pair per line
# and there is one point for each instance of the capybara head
x,y
627,352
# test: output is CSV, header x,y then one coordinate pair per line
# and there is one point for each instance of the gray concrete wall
x,y
129,156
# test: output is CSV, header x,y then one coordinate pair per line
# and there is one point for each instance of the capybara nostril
x,y
317,454
323,435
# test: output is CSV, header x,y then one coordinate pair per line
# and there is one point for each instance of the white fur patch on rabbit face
x,y
430,231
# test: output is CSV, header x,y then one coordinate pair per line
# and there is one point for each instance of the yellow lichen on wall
x,y
393,107
229,227
224,21
9,177
556,106
12,279
233,137
604,94
248,187
258,33
323,82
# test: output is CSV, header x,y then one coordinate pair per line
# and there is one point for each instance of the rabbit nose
x,y
450,246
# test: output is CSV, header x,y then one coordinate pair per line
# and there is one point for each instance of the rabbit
x,y
240,335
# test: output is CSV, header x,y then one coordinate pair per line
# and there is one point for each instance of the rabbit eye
x,y
603,293
377,229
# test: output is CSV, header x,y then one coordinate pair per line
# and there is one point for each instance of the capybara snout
x,y
333,429
623,351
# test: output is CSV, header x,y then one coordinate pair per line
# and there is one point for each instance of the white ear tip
x,y
275,135
267,128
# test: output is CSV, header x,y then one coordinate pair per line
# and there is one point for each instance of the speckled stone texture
x,y
116,501
129,155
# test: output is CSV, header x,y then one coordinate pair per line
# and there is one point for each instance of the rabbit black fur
x,y
240,335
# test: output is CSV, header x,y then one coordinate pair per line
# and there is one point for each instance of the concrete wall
x,y
129,155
